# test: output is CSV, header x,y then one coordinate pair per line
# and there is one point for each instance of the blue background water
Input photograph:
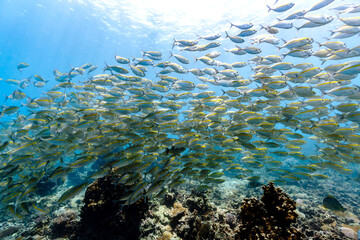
x,y
58,34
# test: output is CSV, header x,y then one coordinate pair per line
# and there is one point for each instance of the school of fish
x,y
160,132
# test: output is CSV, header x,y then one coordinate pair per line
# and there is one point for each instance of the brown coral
x,y
198,220
270,218
64,225
104,217
178,208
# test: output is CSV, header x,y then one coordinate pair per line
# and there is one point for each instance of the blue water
x,y
58,34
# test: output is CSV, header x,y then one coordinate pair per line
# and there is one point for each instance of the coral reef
x,y
270,218
105,217
8,231
64,224
183,215
169,199
195,217
166,236
198,219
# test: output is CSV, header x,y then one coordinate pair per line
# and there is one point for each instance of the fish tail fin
x,y
323,93
106,66
171,54
167,151
323,61
174,43
227,35
269,8
291,88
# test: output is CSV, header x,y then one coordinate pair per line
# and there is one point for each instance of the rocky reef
x,y
197,215
102,215
64,224
194,216
268,218
105,217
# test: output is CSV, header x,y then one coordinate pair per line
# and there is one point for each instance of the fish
x,y
71,192
351,21
210,37
180,58
281,8
120,60
284,24
269,29
22,65
185,43
332,203
319,5
295,15
242,26
234,39
246,33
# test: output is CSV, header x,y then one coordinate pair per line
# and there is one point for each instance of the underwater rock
x,y
9,231
332,203
280,205
38,228
169,199
156,221
103,217
198,215
199,202
270,218
178,210
64,224
197,219
166,236
348,232
231,220
187,226
204,231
